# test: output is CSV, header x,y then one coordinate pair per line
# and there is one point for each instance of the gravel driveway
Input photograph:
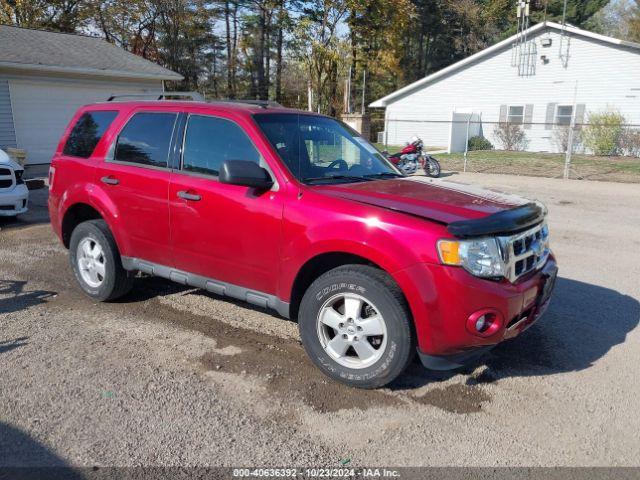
x,y
176,376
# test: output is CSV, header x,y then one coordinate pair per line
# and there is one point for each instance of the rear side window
x,y
87,132
145,139
210,141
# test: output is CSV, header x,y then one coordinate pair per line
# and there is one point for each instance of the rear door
x,y
225,232
135,174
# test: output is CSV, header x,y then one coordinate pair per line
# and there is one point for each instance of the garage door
x,y
42,110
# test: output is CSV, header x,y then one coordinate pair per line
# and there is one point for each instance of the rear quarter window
x,y
87,132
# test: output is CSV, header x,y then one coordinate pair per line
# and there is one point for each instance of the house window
x,y
516,114
563,114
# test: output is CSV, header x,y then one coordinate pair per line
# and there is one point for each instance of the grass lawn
x,y
588,167
390,148
396,148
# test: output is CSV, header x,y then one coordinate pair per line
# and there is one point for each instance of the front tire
x,y
356,327
96,262
432,167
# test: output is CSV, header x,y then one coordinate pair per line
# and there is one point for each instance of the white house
x,y
46,76
539,79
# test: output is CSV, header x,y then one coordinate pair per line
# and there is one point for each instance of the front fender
x,y
391,240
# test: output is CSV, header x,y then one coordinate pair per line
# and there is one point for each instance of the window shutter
x,y
580,108
550,119
528,115
503,114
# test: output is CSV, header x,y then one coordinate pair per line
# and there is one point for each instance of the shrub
x,y
479,143
511,136
604,132
561,137
630,142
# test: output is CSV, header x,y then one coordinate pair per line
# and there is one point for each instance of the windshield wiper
x,y
337,177
384,175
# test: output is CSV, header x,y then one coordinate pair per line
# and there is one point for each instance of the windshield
x,y
323,150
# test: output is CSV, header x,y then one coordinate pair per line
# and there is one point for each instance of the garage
x,y
46,76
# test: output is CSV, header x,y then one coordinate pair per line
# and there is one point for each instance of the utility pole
x,y
572,126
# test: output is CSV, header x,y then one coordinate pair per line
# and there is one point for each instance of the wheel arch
x,y
82,202
74,216
320,264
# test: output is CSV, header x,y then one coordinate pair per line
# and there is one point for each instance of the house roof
x,y
384,101
26,49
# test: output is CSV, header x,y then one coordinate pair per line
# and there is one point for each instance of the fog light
x,y
484,323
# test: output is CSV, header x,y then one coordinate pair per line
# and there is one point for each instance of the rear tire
x,y
96,262
356,327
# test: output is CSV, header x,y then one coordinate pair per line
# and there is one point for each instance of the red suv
x,y
296,212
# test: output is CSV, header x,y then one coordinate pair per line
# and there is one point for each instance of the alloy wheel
x,y
91,262
352,330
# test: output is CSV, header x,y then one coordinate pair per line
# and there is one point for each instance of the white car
x,y
14,194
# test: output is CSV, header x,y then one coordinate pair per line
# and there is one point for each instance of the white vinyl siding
x,y
484,86
7,132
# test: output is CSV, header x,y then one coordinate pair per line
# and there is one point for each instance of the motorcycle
x,y
412,156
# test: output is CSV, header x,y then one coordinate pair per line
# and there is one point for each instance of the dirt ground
x,y
176,376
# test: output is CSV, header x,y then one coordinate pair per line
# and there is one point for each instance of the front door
x,y
225,232
136,179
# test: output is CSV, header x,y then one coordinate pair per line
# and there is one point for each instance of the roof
x,y
384,101
40,50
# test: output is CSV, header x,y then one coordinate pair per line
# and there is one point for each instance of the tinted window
x,y
87,132
210,141
145,139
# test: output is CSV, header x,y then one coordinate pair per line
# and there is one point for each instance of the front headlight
x,y
480,257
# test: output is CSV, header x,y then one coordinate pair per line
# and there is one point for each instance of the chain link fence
x,y
605,150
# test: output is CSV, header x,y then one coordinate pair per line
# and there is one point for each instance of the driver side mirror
x,y
245,173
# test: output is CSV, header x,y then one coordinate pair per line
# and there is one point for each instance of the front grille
x,y
6,183
7,208
526,251
5,172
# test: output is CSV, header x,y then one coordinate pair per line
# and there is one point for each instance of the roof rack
x,y
196,97
259,103
165,95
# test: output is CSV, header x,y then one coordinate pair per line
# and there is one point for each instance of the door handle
x,y
189,196
109,180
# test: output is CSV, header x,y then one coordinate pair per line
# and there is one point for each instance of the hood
x,y
434,199
6,160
